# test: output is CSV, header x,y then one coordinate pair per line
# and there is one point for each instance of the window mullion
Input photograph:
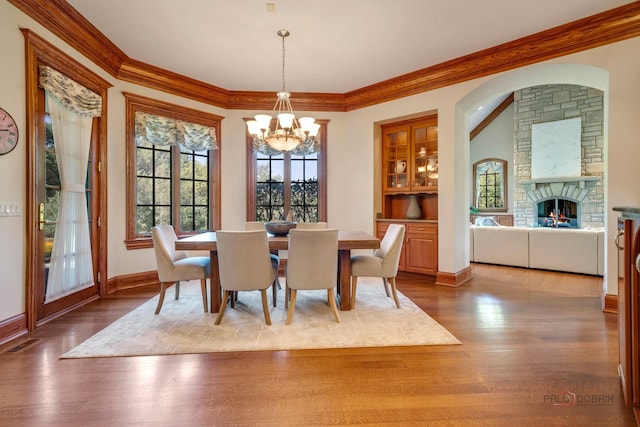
x,y
287,183
175,189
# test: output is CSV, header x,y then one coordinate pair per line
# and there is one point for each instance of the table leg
x,y
214,285
344,279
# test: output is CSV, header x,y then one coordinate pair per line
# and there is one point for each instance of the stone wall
x,y
540,104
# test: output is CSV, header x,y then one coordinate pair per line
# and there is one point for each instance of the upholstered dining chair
x,y
175,266
312,264
275,258
304,226
245,265
383,263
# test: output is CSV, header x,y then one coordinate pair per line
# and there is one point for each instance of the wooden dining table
x,y
347,241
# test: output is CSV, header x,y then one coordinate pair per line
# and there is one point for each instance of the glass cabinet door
x,y
396,159
425,157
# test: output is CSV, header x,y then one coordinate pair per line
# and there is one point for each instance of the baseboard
x,y
610,303
134,280
454,279
13,327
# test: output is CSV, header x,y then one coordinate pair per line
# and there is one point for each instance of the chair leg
x,y
225,295
163,289
177,289
275,286
203,287
287,295
393,289
354,287
332,303
386,289
292,306
265,307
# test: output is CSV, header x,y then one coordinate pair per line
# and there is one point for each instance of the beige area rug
x,y
183,327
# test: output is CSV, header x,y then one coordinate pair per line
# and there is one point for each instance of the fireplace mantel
x,y
581,180
571,187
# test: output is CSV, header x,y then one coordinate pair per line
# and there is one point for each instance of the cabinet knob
x,y
638,263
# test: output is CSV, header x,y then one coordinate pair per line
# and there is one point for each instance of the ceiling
x,y
335,46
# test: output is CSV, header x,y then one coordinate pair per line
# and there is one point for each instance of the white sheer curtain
x,y
71,268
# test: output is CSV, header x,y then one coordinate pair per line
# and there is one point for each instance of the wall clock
x,y
8,132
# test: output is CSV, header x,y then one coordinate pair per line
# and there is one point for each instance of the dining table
x,y
347,241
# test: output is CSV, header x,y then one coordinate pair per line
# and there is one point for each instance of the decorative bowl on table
x,y
279,228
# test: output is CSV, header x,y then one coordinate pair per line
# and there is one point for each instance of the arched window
x,y
490,185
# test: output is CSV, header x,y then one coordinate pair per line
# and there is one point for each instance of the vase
x,y
413,211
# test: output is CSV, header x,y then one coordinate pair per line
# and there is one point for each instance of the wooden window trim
x,y
322,175
153,106
504,183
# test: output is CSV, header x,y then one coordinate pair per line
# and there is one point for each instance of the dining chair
x,y
275,258
312,264
245,265
383,263
175,266
304,226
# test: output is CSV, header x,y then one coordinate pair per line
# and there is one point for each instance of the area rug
x,y
183,327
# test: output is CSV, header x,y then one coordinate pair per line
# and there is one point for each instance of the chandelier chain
x,y
283,37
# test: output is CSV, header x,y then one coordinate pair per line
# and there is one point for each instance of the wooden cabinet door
x,y
421,252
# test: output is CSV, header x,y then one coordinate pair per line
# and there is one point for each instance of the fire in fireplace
x,y
558,213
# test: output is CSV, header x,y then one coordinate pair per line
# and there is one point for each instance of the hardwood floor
x,y
530,340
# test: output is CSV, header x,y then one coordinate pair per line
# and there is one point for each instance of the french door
x,y
44,187
47,201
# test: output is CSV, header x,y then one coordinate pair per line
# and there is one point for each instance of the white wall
x,y
496,141
352,155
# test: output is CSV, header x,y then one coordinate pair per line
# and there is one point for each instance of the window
x,y
490,183
286,182
173,169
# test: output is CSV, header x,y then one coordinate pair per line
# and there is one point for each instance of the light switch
x,y
9,209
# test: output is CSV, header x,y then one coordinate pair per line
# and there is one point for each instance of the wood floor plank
x,y
530,340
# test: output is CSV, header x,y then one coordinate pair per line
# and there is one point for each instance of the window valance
x,y
305,148
164,131
72,95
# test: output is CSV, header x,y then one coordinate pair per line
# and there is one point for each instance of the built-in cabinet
x,y
409,151
628,243
410,156
420,246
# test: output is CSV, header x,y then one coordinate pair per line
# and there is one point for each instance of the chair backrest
x,y
390,249
244,260
164,240
254,225
313,259
312,226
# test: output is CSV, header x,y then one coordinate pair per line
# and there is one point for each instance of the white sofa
x,y
501,245
571,250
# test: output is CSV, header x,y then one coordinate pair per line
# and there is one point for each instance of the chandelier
x,y
288,132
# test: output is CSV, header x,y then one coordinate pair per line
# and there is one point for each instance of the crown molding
x,y
64,21
597,30
607,27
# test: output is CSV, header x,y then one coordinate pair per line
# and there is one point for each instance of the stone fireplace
x,y
582,193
